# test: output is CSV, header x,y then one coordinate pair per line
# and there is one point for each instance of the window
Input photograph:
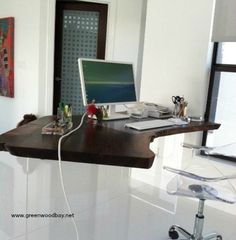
x,y
221,104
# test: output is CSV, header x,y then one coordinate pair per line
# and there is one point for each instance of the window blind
x,y
224,25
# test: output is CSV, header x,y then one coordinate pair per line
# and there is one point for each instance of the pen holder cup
x,y
64,116
180,110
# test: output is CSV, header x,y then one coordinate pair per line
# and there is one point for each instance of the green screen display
x,y
108,82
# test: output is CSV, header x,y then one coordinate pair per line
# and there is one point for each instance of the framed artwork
x,y
7,57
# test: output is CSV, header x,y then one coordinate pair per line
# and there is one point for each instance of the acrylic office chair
x,y
190,184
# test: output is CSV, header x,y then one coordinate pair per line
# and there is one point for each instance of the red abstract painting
x,y
7,57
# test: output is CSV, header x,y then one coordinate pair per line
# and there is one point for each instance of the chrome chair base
x,y
197,229
175,230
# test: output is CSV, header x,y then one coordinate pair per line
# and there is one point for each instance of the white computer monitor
x,y
107,82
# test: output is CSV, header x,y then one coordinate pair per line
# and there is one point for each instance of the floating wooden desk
x,y
109,143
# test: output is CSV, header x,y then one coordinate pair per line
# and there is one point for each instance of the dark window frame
x,y
213,88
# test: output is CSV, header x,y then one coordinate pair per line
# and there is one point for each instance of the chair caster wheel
x,y
219,237
173,234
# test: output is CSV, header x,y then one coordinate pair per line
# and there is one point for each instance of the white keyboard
x,y
149,124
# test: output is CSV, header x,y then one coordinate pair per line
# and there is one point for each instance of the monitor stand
x,y
113,115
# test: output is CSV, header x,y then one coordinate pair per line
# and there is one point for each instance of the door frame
x,y
101,43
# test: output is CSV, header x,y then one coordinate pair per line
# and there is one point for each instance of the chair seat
x,y
183,186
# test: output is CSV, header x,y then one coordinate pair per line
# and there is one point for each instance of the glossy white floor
x,y
109,203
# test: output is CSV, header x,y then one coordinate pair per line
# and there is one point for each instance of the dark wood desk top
x,y
109,143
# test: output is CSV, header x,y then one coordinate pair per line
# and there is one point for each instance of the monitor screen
x,y
106,82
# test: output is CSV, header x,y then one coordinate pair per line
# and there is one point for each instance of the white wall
x,y
129,32
46,57
26,62
175,52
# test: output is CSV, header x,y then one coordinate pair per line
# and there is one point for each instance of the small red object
x,y
91,109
